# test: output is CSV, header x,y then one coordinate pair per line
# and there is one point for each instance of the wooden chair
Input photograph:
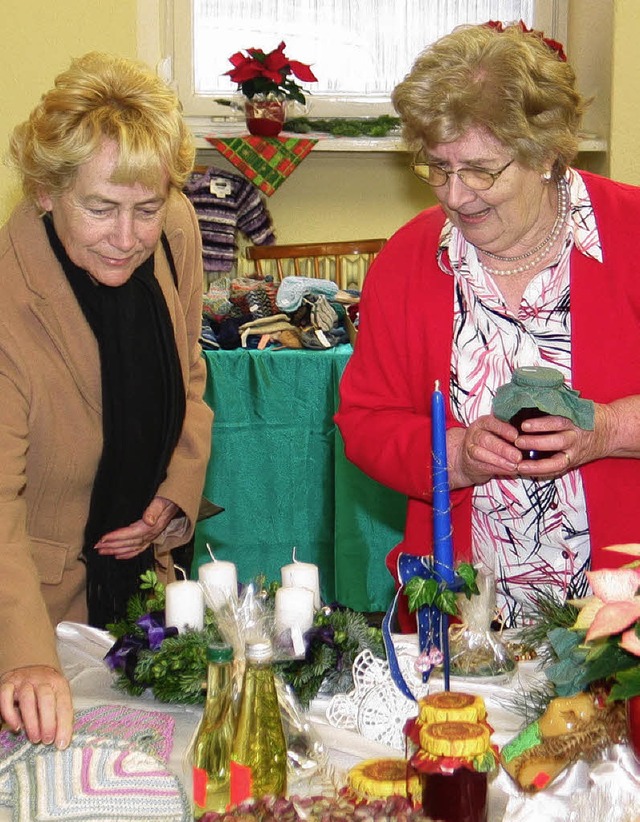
x,y
345,262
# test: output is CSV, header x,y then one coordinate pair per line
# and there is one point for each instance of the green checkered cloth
x,y
265,161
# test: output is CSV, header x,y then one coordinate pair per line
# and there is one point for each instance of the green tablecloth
x,y
279,470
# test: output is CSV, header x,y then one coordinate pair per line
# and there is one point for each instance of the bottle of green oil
x,y
214,740
259,753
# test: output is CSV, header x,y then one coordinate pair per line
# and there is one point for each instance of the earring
x,y
546,177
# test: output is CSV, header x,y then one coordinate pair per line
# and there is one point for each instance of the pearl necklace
x,y
542,250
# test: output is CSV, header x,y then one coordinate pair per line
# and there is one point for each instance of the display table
x,y
279,470
594,790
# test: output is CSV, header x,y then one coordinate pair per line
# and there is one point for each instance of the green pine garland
x,y
345,126
176,672
337,637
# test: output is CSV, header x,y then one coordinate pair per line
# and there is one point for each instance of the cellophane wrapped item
x,y
250,617
475,650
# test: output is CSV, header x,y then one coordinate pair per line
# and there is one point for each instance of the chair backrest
x,y
345,262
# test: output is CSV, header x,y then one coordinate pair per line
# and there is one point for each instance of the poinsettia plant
x,y
269,73
592,643
611,618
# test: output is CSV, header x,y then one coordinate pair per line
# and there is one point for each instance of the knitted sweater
x,y
226,203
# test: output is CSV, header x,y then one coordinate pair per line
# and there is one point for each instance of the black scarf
x,y
143,408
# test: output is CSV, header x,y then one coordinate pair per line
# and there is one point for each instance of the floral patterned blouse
x,y
531,534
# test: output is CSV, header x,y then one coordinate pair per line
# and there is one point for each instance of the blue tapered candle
x,y
442,542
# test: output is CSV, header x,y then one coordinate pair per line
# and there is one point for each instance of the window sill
x,y
201,127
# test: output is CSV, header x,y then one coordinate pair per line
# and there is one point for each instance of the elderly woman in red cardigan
x,y
525,261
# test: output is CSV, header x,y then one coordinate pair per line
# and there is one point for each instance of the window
x,y
359,49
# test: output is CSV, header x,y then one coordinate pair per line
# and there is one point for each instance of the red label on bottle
x,y
241,782
200,787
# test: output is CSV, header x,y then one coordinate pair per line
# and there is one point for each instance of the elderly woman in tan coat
x,y
104,436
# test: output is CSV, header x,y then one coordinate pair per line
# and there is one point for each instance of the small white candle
x,y
184,605
294,610
219,580
302,575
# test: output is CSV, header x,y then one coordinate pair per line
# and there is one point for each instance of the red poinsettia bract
x,y
257,72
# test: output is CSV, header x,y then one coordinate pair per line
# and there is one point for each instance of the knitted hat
x,y
292,289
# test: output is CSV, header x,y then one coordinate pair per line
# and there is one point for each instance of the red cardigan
x,y
404,346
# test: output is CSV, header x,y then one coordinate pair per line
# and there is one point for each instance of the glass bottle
x,y
259,754
212,746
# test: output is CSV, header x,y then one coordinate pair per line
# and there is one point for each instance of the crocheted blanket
x,y
114,769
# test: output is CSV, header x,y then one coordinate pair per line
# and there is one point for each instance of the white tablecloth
x,y
581,794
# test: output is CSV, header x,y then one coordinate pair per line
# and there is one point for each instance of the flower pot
x,y
633,725
265,118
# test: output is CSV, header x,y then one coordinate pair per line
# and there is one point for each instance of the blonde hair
x,y
507,82
101,96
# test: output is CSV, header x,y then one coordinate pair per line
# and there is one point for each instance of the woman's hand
x,y
570,446
482,451
127,542
37,699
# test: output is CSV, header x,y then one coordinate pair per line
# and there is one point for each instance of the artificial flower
x,y
257,72
554,45
610,621
614,606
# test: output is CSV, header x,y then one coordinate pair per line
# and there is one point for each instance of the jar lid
x,y
536,386
538,376
455,739
259,650
219,652
448,706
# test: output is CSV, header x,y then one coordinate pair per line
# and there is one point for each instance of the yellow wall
x,y
625,94
329,195
38,38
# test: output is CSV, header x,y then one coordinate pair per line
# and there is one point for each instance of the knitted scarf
x,y
143,408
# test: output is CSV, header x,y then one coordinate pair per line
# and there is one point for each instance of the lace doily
x,y
376,708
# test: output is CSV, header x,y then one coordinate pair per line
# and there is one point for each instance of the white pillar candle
x,y
184,605
294,612
219,580
302,575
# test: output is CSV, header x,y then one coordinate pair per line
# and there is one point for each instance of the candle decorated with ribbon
x,y
219,579
302,575
184,604
442,535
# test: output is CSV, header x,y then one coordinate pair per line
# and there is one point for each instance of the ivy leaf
x,y
421,592
469,575
446,602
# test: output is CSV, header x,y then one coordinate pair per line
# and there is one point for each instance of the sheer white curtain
x,y
357,48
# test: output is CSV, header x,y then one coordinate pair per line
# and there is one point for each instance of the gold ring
x,y
568,458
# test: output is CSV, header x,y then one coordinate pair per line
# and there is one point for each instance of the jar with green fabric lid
x,y
539,391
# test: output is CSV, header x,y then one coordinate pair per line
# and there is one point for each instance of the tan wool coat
x,y
51,427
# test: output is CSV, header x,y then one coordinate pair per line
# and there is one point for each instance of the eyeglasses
x,y
475,178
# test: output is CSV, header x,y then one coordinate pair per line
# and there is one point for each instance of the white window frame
x,y
165,42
